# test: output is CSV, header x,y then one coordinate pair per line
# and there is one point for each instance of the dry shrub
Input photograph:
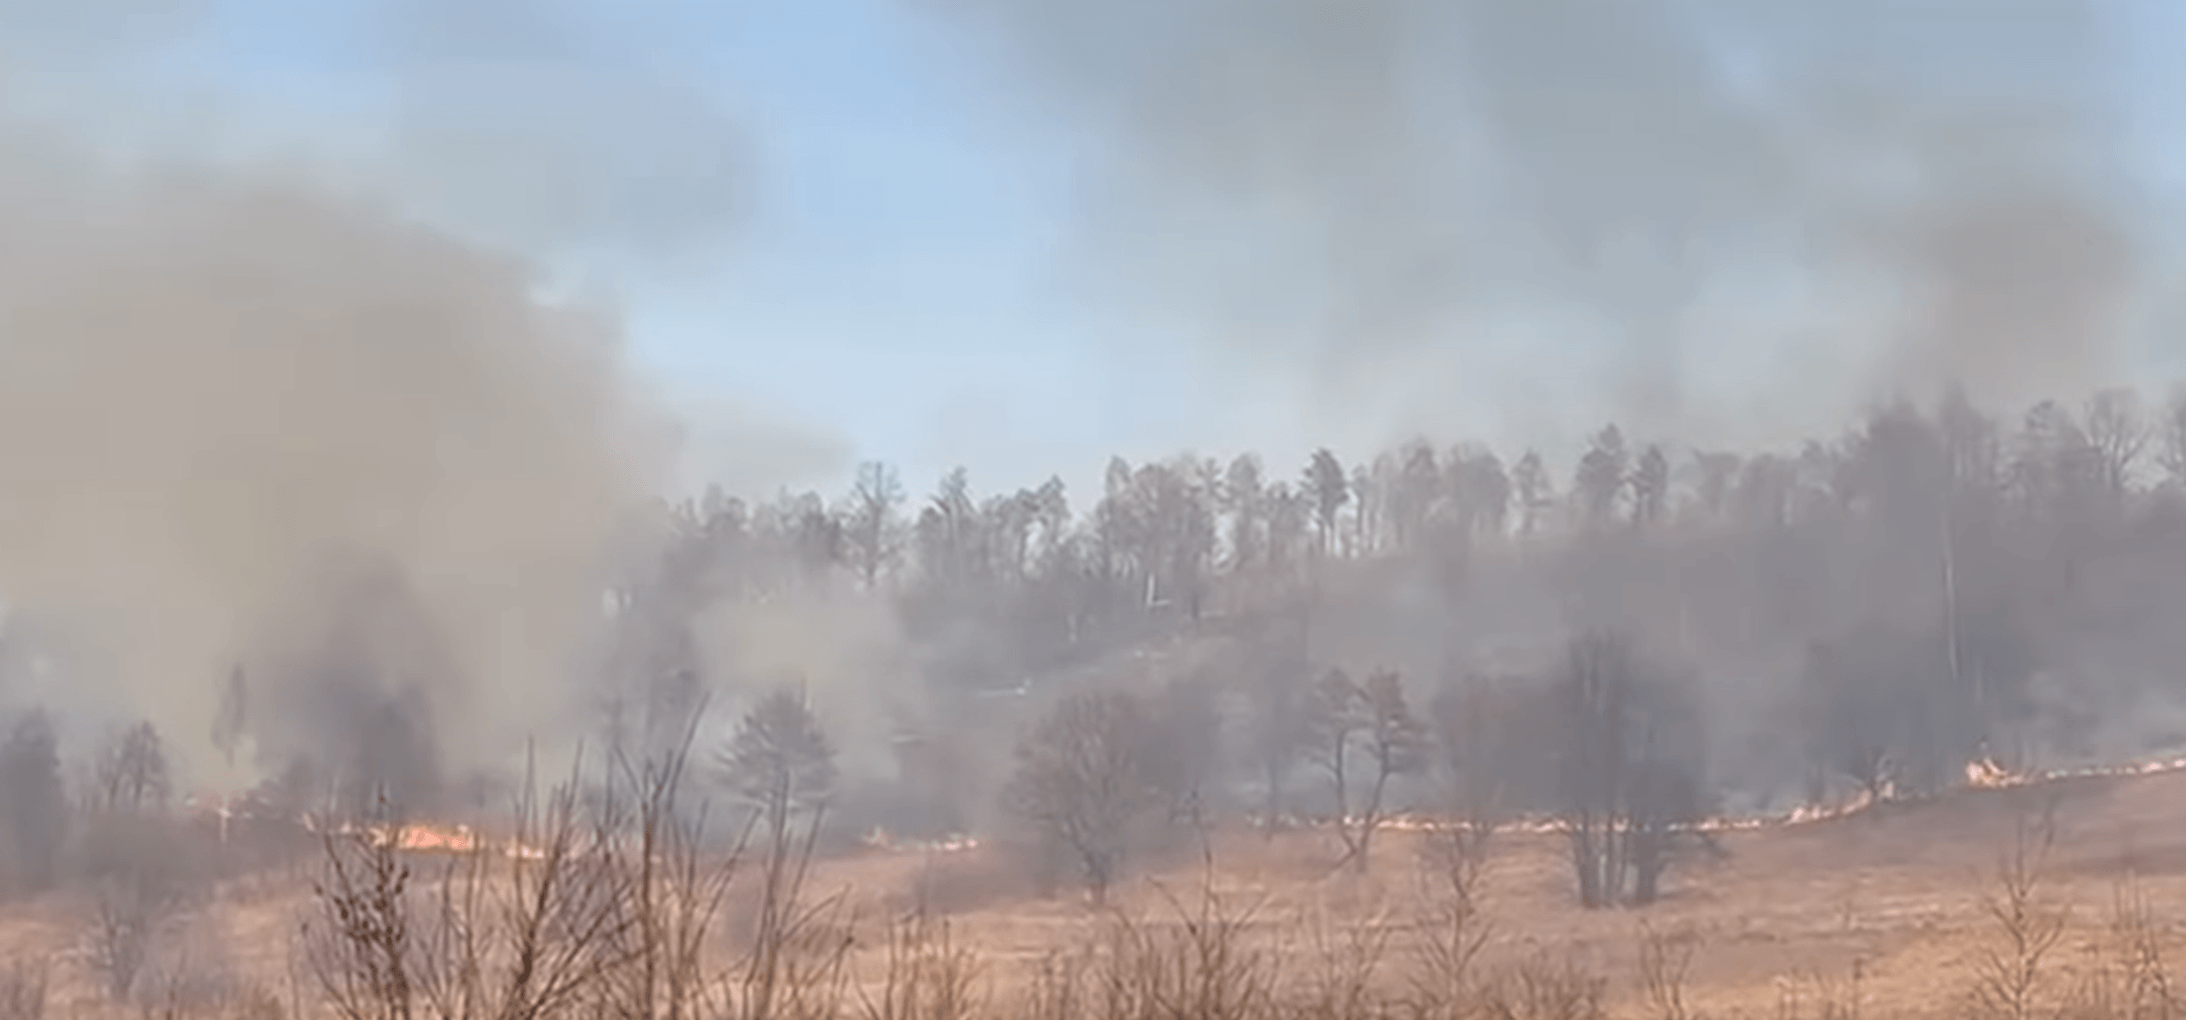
x,y
1454,927
928,976
1056,987
2011,979
800,973
1346,967
1545,987
24,991
1665,962
1194,962
255,1002
2129,979
1832,998
129,917
795,965
182,987
144,871
1192,959
528,935
672,902
607,912
959,882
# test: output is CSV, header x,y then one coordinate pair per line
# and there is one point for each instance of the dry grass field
x,y
1889,912
1898,911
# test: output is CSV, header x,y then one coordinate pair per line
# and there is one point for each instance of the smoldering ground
x,y
1514,219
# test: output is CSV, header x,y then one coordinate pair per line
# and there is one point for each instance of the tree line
x,y
1652,634
1623,644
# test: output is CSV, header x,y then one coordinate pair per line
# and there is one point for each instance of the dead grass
x,y
1979,910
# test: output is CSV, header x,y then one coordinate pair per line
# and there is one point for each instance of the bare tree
x,y
1080,780
2118,430
1327,488
2171,431
1535,493
1413,493
1600,481
1650,484
1597,687
33,803
1716,471
1279,725
1630,783
1496,736
2013,978
1185,750
132,771
870,527
128,919
1364,728
1481,489
1244,492
539,934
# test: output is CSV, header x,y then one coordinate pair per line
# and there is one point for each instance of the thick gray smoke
x,y
248,417
215,394
1523,217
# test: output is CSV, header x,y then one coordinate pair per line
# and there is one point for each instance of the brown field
x,y
1884,913
1890,905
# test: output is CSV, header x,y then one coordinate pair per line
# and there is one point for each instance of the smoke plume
x,y
293,415
218,393
1523,217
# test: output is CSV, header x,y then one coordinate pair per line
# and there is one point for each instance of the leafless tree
x,y
1650,484
1244,492
1600,482
1327,489
2118,430
1364,736
34,811
1496,736
2013,979
25,990
128,918
1629,785
1185,748
1480,491
533,934
1080,780
2171,434
1413,493
869,527
132,771
1535,493
1279,721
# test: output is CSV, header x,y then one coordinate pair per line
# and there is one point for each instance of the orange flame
x,y
1981,774
881,839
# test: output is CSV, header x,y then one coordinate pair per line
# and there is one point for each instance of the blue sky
x,y
887,284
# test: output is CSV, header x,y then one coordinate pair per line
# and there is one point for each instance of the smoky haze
x,y
302,407
227,400
1654,211
249,419
1693,411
